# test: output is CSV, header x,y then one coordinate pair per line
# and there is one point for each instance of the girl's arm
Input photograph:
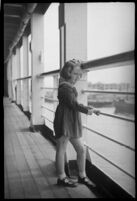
x,y
82,108
66,95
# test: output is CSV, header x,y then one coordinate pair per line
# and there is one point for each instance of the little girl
x,y
68,125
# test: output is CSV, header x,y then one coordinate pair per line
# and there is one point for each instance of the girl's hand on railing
x,y
90,111
97,112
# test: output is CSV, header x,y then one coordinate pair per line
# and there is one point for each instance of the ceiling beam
x,y
11,15
23,24
11,20
15,5
12,26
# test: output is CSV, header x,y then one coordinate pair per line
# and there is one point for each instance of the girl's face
x,y
75,74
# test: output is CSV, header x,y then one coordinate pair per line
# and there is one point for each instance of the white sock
x,y
62,176
82,174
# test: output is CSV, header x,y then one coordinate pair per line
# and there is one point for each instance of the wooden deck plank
x,y
38,177
39,180
30,162
49,171
48,168
29,185
6,184
14,180
16,162
13,177
43,163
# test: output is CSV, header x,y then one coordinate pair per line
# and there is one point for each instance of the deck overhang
x,y
16,22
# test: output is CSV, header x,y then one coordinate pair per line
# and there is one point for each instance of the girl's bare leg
x,y
60,156
81,154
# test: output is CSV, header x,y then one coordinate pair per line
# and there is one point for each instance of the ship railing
x,y
104,136
116,60
119,60
23,80
112,92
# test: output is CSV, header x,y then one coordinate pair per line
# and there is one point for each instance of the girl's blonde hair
x,y
68,67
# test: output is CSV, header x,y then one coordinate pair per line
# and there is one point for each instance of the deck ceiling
x,y
13,15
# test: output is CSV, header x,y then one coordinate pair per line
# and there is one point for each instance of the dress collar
x,y
63,81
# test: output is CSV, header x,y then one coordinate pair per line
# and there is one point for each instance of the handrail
x,y
117,117
102,113
48,88
23,78
115,59
104,136
50,99
127,173
49,73
47,108
108,92
123,57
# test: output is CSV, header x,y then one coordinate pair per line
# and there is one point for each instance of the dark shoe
x,y
66,182
87,182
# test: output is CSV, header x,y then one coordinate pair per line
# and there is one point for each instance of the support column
x,y
5,81
75,15
62,34
14,76
73,38
9,78
73,35
37,45
18,76
55,93
25,90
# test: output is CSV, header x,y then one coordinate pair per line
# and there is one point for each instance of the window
x,y
111,28
51,45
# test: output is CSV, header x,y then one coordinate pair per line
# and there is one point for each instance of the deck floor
x,y
29,161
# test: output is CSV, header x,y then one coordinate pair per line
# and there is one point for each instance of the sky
x,y
111,30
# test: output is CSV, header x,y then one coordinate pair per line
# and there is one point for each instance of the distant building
x,y
110,86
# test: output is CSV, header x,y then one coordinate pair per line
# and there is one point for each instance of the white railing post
x,y
9,78
18,76
55,85
37,48
25,89
14,75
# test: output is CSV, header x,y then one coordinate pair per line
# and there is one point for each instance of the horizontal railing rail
x,y
49,88
110,139
23,78
108,92
49,73
49,99
117,117
112,163
101,113
118,58
47,118
42,106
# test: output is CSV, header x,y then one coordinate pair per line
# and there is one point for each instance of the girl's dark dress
x,y
67,119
